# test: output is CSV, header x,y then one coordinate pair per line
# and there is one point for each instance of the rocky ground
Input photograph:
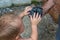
x,y
46,28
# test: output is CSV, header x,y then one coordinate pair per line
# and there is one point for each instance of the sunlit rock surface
x,y
8,3
5,3
21,2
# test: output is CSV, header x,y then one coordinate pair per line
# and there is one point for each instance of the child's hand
x,y
26,10
35,19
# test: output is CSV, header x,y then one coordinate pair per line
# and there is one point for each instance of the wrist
x,y
21,15
34,25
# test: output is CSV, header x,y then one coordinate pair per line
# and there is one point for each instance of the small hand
x,y
26,10
35,19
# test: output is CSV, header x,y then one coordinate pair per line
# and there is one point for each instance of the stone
x,y
8,3
21,2
5,3
47,28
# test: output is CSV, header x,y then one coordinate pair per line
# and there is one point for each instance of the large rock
x,y
8,3
5,3
46,28
21,2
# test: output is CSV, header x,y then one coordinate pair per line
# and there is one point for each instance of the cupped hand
x,y
28,8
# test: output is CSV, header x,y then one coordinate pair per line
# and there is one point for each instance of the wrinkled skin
x,y
54,11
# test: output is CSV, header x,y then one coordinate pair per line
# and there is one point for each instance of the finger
x,y
34,15
28,12
26,7
29,7
30,17
37,15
